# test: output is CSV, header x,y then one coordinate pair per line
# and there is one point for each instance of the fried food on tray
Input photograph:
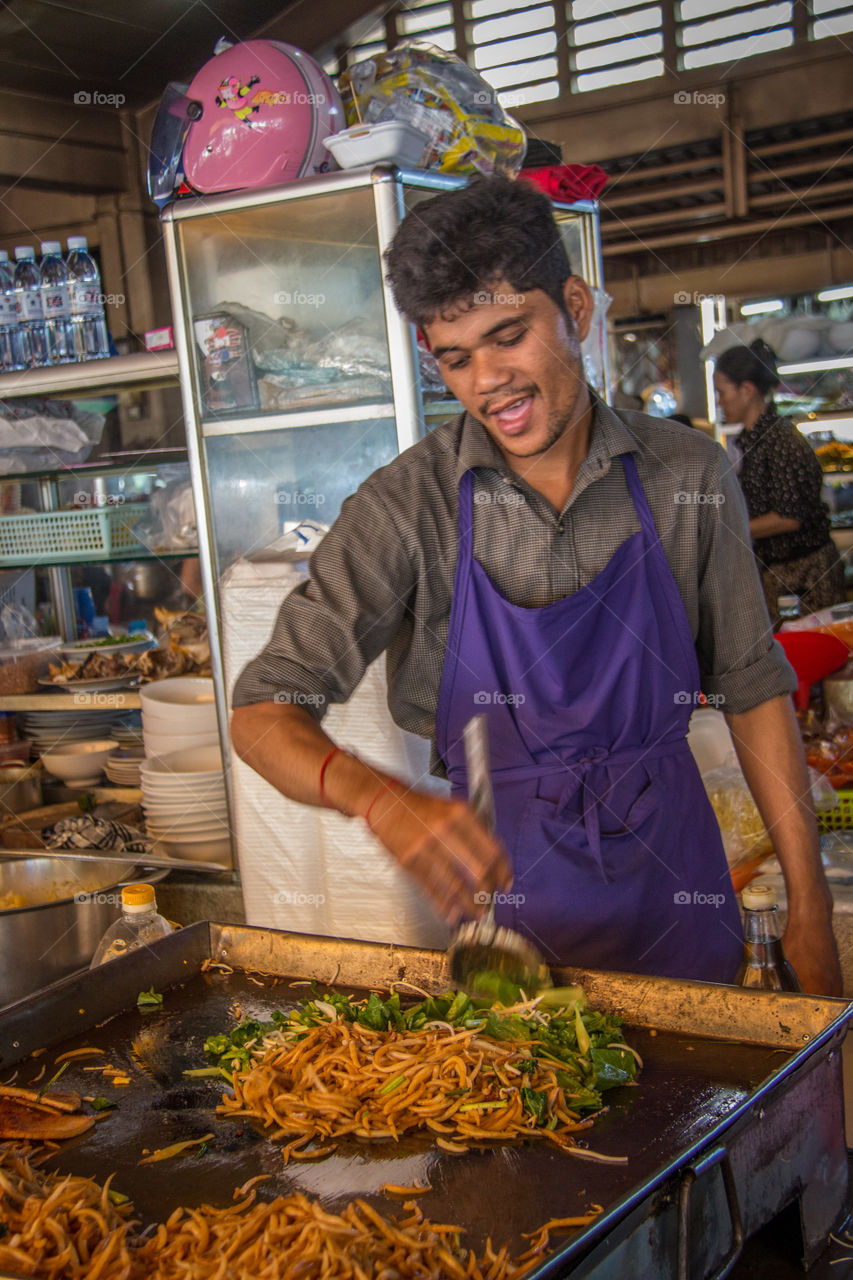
x,y
187,634
38,1122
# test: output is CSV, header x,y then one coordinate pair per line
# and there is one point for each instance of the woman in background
x,y
781,481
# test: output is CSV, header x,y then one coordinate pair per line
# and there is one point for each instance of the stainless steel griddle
x,y
737,1113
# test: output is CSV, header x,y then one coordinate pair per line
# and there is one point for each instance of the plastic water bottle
x,y
139,926
764,965
12,350
56,301
91,341
30,309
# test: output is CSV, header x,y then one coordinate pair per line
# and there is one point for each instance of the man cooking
x,y
575,574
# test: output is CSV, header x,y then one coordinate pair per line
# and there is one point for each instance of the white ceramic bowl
x,y
213,805
217,850
161,744
79,764
185,699
175,831
197,761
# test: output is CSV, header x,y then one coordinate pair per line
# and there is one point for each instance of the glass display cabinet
x,y
299,376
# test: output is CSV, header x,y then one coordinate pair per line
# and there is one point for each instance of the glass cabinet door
x,y
284,306
264,483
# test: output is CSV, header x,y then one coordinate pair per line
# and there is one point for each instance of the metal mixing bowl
x,y
69,906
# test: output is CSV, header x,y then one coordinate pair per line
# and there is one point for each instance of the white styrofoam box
x,y
307,869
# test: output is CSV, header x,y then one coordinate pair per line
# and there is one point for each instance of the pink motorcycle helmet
x,y
266,107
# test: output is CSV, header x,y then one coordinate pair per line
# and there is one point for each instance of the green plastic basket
x,y
63,536
839,818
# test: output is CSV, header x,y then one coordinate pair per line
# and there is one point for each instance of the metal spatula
x,y
483,952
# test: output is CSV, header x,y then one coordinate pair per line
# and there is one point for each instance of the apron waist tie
x,y
585,771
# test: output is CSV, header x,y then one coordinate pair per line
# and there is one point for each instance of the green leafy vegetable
x,y
536,1102
149,998
102,1104
117,1197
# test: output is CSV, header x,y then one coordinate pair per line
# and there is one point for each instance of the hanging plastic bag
x,y
439,94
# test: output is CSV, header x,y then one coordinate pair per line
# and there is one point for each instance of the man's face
x,y
513,360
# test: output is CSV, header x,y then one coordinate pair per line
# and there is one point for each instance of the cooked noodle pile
x,y
66,1228
60,1228
341,1078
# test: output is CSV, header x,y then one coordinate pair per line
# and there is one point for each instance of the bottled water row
x,y
53,312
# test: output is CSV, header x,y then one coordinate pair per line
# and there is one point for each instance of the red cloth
x,y
568,182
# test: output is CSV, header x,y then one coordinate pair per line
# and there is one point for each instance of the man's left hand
x,y
812,951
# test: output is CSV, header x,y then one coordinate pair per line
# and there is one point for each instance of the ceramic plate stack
x,y
127,729
49,729
123,766
183,795
178,715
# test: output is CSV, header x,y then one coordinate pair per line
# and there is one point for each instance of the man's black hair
x,y
461,242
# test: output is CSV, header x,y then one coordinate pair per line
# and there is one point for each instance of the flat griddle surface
x,y
687,1086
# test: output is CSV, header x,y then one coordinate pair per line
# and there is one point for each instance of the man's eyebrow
x,y
438,352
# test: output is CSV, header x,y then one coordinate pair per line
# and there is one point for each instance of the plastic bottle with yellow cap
x,y
764,965
138,926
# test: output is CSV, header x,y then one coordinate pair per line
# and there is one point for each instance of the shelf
x,y
106,465
71,381
70,701
127,555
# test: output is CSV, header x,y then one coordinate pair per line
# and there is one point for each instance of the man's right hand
x,y
445,846
442,842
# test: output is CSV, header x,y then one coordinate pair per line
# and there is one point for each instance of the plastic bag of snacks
x,y
745,836
437,93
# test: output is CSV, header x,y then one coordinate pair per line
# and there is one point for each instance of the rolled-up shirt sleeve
x,y
741,665
331,627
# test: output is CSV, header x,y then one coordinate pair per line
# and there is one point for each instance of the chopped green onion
x,y
53,1079
102,1104
149,997
392,1085
484,1106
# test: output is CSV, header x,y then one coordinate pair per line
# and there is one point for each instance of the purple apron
x,y
617,856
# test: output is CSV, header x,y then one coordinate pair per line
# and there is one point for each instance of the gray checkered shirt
x,y
382,579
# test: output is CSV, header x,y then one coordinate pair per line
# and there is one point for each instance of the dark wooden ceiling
x,y
132,48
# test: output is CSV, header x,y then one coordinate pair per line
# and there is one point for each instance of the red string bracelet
x,y
386,786
334,752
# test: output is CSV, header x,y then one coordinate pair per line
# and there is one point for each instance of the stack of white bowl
x,y
183,795
178,715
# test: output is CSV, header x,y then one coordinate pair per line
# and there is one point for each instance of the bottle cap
x,y
77,242
50,247
758,897
24,251
788,602
137,897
